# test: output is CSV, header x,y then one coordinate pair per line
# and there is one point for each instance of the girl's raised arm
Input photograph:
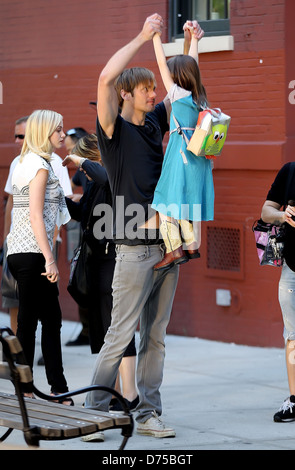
x,y
162,63
196,33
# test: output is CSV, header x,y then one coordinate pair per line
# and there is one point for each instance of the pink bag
x,y
269,243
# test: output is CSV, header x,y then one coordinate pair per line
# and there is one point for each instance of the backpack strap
x,y
179,131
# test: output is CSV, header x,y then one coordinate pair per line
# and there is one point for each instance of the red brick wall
x,y
51,55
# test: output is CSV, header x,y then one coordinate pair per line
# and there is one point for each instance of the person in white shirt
x,y
64,179
38,207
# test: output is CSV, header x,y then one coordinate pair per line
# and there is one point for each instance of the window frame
x,y
220,27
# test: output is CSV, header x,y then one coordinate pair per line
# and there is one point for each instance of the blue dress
x,y
184,190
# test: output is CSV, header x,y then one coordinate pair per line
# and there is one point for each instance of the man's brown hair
x,y
131,78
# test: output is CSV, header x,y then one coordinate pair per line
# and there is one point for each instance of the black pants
x,y
38,300
101,268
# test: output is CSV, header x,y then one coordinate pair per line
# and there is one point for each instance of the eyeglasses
x,y
19,136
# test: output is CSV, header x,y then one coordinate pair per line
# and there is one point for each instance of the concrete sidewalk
x,y
217,396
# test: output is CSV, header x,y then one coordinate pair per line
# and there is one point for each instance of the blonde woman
x,y
39,207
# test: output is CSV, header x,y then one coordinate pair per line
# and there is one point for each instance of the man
x,y
19,135
131,149
64,179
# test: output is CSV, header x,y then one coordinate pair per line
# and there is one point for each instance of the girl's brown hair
x,y
185,73
86,147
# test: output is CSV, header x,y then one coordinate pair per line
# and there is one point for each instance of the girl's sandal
x,y
62,401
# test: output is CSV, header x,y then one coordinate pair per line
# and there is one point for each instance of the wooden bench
x,y
43,419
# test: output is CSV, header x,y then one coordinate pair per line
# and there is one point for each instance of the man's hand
x,y
153,24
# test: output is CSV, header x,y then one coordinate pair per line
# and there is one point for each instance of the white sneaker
x,y
155,427
95,437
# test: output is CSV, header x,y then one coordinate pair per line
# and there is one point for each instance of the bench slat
x,y
54,420
49,424
46,430
5,372
71,411
14,344
24,372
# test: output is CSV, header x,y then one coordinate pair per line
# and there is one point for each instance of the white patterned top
x,y
22,239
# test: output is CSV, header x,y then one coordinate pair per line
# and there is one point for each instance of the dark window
x,y
213,16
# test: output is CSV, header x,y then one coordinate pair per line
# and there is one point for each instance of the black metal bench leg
x,y
127,431
123,443
31,438
6,434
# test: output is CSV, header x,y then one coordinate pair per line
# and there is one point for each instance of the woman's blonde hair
x,y
86,147
40,126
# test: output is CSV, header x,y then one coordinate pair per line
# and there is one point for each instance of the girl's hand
x,y
51,272
192,29
187,31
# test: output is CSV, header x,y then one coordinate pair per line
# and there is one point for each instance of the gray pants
x,y
287,301
139,293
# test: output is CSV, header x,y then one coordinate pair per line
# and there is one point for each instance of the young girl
x,y
184,195
38,207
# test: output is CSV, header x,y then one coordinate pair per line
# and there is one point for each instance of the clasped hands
x,y
154,24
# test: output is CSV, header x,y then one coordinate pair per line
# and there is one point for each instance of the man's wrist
x,y
142,38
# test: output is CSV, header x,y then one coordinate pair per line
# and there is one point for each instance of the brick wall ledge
x,y
242,155
207,44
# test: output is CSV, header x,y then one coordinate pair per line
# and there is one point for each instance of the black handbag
x,y
9,287
78,285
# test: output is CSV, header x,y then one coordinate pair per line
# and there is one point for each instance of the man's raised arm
x,y
107,101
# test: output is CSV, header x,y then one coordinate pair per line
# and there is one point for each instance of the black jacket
x,y
97,228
